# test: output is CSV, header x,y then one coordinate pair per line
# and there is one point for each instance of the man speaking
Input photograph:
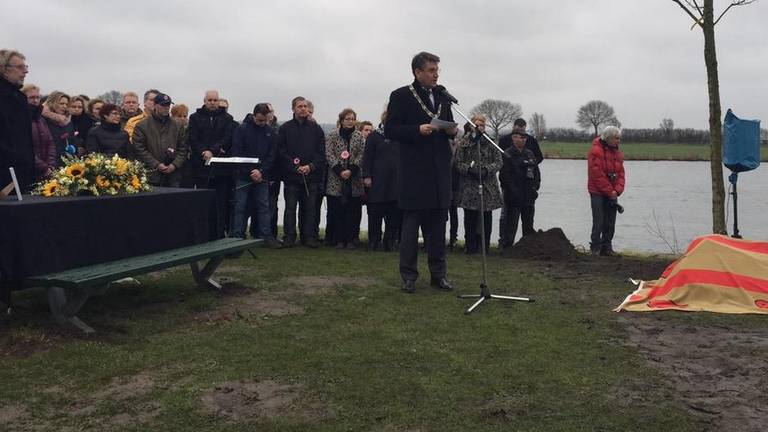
x,y
425,169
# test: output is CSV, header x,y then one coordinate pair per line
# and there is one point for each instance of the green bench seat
x,y
82,282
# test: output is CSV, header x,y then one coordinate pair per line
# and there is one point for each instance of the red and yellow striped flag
x,y
716,274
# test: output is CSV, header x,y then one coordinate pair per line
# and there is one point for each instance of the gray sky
x,y
549,56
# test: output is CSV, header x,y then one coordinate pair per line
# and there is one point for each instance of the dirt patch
x,y
544,245
11,414
23,343
318,285
719,373
132,387
240,301
247,306
244,400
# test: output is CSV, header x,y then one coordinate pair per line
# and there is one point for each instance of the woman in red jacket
x,y
605,181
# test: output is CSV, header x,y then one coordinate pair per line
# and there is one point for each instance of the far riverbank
x,y
637,151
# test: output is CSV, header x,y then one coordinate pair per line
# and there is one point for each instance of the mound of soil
x,y
544,245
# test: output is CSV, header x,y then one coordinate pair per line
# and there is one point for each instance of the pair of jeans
x,y
258,194
306,200
603,223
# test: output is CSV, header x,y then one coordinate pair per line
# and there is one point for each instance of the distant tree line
x,y
680,136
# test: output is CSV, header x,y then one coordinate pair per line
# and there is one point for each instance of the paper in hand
x,y
442,124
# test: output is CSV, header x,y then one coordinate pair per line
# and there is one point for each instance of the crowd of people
x,y
388,168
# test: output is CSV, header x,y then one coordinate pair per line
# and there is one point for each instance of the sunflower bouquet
x,y
95,174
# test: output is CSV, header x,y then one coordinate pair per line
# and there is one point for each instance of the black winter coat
x,y
520,178
425,161
208,130
82,124
304,141
108,139
15,137
252,141
380,159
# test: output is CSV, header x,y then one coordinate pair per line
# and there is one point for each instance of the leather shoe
x,y
441,284
409,286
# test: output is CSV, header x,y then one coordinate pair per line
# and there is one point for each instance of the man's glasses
x,y
21,67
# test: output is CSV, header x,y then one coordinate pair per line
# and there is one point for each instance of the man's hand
x,y
303,169
166,169
614,195
427,129
367,182
256,176
453,130
346,174
207,155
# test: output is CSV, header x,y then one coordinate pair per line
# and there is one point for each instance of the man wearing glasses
x,y
424,167
15,122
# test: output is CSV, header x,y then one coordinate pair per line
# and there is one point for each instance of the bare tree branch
x,y
698,8
735,3
693,17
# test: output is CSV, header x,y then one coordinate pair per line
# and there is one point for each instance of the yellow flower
x,y
50,188
135,182
121,166
102,182
76,170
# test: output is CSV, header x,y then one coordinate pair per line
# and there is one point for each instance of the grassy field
x,y
636,151
324,341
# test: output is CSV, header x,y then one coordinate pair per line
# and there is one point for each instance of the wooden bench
x,y
81,283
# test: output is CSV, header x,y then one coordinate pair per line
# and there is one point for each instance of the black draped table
x,y
44,235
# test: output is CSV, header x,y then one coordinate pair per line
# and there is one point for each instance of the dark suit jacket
x,y
15,137
424,161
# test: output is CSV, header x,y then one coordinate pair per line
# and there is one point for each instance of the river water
x,y
664,201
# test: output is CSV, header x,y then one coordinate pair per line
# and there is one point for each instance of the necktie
x,y
431,97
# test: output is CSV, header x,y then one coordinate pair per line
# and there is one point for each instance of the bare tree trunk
x,y
715,125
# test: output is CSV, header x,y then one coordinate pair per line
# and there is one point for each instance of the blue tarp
x,y
741,143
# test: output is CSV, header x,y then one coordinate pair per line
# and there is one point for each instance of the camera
x,y
612,176
619,207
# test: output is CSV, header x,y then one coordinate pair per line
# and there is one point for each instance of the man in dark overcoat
x,y
15,130
424,169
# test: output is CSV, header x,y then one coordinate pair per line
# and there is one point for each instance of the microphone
x,y
443,91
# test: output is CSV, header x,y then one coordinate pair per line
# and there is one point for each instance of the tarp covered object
x,y
716,274
741,143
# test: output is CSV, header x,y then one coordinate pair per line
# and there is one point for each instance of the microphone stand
x,y
485,292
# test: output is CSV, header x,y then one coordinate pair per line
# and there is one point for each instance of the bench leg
x,y
64,309
203,277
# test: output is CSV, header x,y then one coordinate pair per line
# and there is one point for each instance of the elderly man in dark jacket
x,y
424,169
15,136
158,143
301,155
209,134
15,120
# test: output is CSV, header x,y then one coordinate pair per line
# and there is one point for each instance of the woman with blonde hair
x,y
56,113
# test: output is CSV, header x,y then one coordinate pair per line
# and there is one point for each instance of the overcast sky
x,y
550,56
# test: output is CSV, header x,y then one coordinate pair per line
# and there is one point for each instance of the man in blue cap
x,y
159,145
